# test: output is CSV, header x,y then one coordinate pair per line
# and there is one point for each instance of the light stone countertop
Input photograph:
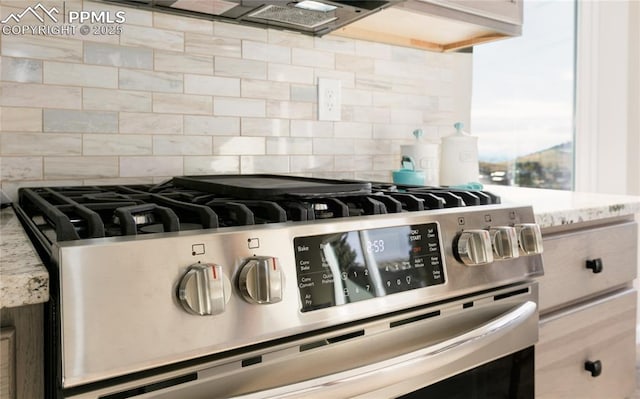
x,y
24,279
554,208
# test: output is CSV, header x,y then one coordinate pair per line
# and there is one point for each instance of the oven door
x,y
477,346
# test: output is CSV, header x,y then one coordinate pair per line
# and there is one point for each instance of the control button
x,y
204,290
529,238
260,280
504,241
473,247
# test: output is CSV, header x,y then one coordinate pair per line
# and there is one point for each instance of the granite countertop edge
x,y
24,279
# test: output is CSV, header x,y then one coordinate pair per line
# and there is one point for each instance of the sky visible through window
x,y
523,100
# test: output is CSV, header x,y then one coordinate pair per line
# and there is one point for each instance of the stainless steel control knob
x,y
260,280
529,238
504,241
204,290
473,247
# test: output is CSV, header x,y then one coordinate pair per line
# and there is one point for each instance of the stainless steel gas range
x,y
260,286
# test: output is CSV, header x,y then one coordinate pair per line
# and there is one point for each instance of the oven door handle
x,y
410,371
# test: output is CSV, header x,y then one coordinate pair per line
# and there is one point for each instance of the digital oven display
x,y
335,269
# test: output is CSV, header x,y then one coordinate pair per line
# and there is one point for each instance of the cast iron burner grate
x,y
75,213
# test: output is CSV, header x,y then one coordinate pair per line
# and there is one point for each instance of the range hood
x,y
313,17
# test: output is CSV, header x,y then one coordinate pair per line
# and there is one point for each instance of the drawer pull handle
x,y
595,368
595,265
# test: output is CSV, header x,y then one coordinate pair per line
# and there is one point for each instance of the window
x,y
523,101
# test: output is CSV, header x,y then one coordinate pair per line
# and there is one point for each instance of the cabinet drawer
x,y
602,330
567,279
7,363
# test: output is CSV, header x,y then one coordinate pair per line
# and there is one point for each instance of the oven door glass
x,y
508,377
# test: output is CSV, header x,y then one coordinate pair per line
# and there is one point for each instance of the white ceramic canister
x,y
427,158
459,158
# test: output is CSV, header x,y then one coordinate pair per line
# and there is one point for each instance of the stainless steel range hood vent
x,y
314,17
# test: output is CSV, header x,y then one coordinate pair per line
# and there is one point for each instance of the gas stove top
x,y
203,269
204,202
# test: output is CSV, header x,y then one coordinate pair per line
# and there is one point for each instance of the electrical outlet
x,y
329,99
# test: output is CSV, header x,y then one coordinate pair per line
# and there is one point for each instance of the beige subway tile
x,y
311,163
151,37
264,164
181,62
183,24
353,162
182,104
399,69
199,44
311,128
333,146
161,166
223,106
182,145
386,163
408,55
406,116
265,89
115,144
289,146
290,73
304,93
21,70
118,181
204,165
239,31
118,56
132,79
40,144
212,125
80,167
75,121
356,97
20,119
238,145
116,100
62,73
266,52
42,47
211,85
366,81
347,79
373,50
352,113
290,109
289,38
239,68
134,122
395,100
353,130
354,63
265,127
37,95
390,131
313,58
20,168
335,44
375,147
384,175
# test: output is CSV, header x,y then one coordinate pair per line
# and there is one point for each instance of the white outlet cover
x,y
329,99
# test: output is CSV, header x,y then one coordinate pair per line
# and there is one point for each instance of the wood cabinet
x,y
587,345
440,25
23,325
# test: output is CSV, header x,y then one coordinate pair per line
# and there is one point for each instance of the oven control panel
x,y
338,268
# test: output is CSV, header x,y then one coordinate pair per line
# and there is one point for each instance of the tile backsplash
x,y
176,96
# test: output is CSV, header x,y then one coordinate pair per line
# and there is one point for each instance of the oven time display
x,y
336,269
